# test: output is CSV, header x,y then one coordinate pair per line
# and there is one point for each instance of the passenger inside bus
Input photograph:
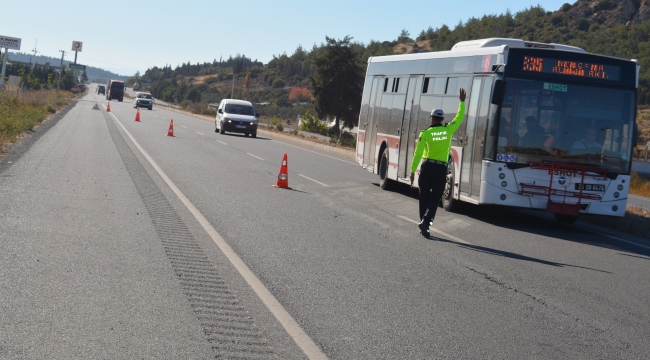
x,y
535,135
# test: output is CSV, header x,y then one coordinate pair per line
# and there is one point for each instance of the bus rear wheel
x,y
448,202
566,219
384,182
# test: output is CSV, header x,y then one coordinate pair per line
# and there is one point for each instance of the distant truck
x,y
115,90
136,87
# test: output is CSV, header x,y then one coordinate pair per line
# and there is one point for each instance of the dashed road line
x,y
199,133
257,157
184,126
451,237
221,142
316,181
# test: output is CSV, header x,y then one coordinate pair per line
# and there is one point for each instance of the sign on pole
x,y
77,45
72,66
9,42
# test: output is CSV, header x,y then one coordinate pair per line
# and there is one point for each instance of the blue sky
x,y
129,36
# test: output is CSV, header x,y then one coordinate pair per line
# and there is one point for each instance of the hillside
x,y
618,28
92,73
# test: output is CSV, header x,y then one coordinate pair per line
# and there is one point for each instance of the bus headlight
x,y
616,195
620,187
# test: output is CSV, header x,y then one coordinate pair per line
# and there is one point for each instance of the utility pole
x,y
232,89
58,86
35,52
4,67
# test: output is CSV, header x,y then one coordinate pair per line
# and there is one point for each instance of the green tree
x,y
337,82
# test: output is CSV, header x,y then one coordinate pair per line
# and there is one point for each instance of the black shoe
x,y
424,227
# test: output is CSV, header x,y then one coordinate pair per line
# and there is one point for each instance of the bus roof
x,y
513,43
476,47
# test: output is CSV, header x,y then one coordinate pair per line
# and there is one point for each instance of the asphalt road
x,y
117,241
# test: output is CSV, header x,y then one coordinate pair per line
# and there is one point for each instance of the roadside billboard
x,y
9,42
77,45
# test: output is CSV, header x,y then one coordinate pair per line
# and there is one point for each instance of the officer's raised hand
x,y
462,95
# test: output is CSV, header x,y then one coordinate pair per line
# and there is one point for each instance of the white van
x,y
236,116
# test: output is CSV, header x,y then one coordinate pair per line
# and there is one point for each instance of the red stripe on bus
x,y
392,142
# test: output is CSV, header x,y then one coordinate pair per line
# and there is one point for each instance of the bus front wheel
x,y
448,202
384,182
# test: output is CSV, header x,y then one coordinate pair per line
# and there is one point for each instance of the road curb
x,y
347,152
629,224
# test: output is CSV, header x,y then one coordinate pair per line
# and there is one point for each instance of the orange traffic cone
x,y
283,176
171,129
108,107
137,115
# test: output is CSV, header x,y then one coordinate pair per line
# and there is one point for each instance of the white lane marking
x,y
222,142
184,126
452,237
309,348
317,182
199,133
257,157
331,157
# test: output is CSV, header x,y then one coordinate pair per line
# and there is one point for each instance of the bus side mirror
x,y
220,111
497,93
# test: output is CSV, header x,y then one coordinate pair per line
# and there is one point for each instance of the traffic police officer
x,y
433,149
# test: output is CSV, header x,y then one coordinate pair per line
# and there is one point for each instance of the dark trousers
x,y
433,177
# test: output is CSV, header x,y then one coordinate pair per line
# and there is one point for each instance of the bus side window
x,y
425,87
439,86
452,86
385,84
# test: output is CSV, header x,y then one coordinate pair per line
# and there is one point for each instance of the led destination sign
x,y
571,68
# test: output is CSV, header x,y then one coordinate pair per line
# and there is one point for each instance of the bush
x,y
277,83
311,124
279,127
348,140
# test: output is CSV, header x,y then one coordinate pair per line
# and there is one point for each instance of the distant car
x,y
236,116
101,89
143,100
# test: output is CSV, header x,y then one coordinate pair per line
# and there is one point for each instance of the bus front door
x,y
473,148
409,126
370,126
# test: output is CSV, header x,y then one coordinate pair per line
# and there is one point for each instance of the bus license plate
x,y
590,187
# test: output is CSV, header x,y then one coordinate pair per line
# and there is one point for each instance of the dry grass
x,y
640,184
22,111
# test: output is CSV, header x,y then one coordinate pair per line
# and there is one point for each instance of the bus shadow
x,y
514,219
514,256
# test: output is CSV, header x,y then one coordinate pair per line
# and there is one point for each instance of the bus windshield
x,y
590,125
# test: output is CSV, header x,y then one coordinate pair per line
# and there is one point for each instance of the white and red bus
x,y
548,126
